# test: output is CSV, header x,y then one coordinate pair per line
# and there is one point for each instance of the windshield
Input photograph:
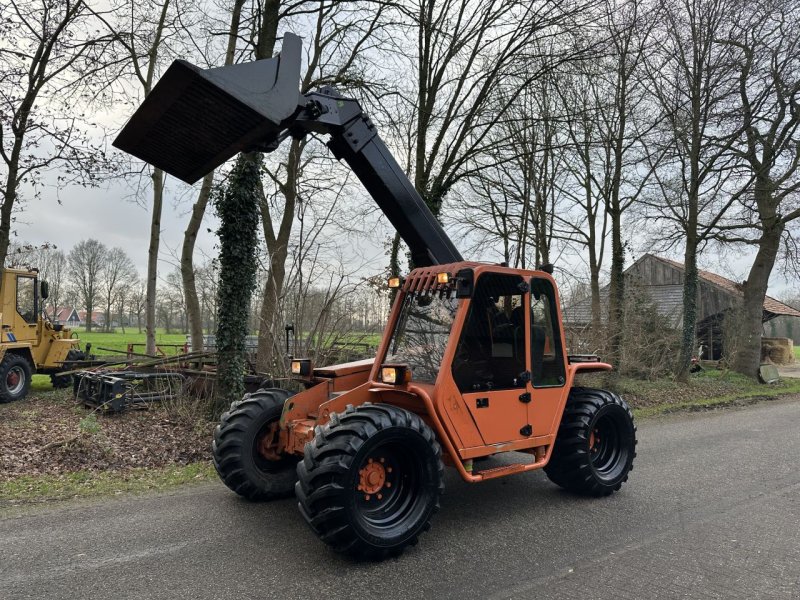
x,y
421,334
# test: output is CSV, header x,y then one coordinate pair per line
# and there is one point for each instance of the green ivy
x,y
237,208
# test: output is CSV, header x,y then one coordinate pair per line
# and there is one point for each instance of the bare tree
x,y
49,59
122,296
765,39
118,272
147,31
340,32
137,299
515,190
470,64
609,100
55,273
87,262
193,307
692,80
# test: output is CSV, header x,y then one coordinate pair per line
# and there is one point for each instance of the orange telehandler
x,y
472,363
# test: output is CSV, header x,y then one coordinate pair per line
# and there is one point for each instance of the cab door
x,y
548,362
491,358
24,312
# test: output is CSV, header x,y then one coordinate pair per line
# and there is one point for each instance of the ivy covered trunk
x,y
237,208
616,298
689,331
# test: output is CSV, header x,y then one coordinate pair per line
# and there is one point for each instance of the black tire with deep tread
x,y
328,475
10,361
236,459
572,465
64,381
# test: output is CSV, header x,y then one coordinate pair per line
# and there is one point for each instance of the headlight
x,y
301,367
395,374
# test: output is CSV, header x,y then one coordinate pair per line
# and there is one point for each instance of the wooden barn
x,y
662,280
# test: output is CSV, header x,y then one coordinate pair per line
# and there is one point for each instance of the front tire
x,y
64,381
245,447
15,378
595,445
370,481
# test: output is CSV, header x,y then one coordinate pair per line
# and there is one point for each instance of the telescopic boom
x,y
196,119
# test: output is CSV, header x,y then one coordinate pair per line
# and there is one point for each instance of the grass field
x,y
797,352
120,341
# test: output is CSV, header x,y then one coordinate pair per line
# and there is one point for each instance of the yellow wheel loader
x,y
30,343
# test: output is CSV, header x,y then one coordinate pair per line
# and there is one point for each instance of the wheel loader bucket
x,y
195,119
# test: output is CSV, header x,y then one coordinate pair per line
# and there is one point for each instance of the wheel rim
x,y
607,449
15,380
389,488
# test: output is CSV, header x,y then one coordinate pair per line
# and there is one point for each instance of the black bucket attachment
x,y
195,119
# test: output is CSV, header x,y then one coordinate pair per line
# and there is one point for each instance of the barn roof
x,y
667,295
771,305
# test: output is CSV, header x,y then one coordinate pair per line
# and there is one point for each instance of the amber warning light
x,y
394,282
443,277
301,367
396,374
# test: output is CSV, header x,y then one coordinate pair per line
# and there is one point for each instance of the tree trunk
x,y
238,236
193,311
273,287
89,310
152,261
9,195
268,31
108,315
187,264
616,295
594,285
748,355
689,307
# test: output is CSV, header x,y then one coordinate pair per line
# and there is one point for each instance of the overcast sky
x,y
111,215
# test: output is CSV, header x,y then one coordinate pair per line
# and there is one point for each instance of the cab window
x,y
26,298
492,347
547,360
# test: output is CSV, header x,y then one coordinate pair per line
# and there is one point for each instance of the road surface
x,y
712,510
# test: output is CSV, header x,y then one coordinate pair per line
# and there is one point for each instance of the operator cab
x,y
496,346
495,343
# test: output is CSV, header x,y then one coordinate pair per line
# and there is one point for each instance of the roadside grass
x,y
706,390
80,484
40,383
797,352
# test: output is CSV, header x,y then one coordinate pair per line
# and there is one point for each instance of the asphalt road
x,y
712,510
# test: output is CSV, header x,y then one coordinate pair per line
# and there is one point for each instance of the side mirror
x,y
465,283
44,290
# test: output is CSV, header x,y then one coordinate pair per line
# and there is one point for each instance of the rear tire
x,y
64,381
370,480
595,445
238,445
15,378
